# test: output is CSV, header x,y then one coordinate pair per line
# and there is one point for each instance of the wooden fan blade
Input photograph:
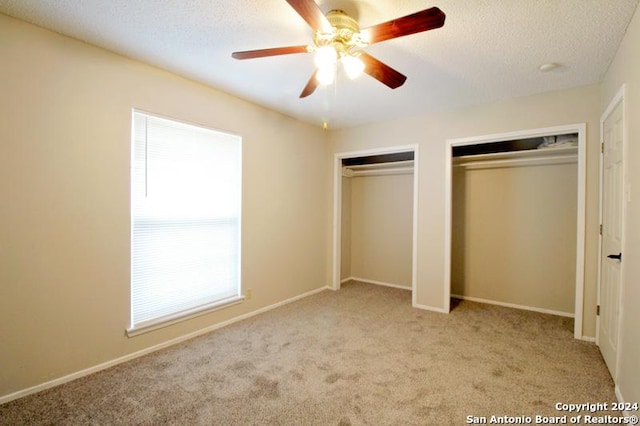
x,y
311,85
425,20
274,51
382,72
311,13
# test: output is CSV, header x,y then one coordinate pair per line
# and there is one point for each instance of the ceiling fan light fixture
x,y
325,75
353,66
326,56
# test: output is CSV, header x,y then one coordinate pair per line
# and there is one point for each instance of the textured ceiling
x,y
486,51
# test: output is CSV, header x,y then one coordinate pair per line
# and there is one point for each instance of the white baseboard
x,y
368,281
131,356
619,396
621,400
588,339
430,308
513,305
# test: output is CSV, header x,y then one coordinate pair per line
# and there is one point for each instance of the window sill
x,y
151,325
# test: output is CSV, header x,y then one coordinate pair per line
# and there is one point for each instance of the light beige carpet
x,y
362,355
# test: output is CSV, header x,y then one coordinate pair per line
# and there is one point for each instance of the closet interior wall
x,y
377,226
514,230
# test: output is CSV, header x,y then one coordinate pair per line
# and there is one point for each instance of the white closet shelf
x,y
530,157
379,169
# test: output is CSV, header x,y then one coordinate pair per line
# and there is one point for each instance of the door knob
x,y
616,256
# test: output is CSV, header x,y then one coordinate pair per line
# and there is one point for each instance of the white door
x,y
612,222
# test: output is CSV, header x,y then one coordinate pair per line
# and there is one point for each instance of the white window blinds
x,y
185,221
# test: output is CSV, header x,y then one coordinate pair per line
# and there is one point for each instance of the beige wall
x,y
625,69
514,235
431,131
382,228
65,132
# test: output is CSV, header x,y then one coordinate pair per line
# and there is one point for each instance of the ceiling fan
x,y
337,37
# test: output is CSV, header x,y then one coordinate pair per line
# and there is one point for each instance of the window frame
x,y
145,326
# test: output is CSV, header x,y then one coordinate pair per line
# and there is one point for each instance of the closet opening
x,y
375,199
515,220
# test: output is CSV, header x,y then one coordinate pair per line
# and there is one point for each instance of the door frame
x,y
337,210
581,130
618,99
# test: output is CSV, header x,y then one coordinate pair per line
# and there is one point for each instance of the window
x,y
185,221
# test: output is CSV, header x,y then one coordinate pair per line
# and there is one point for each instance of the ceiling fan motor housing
x,y
345,32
